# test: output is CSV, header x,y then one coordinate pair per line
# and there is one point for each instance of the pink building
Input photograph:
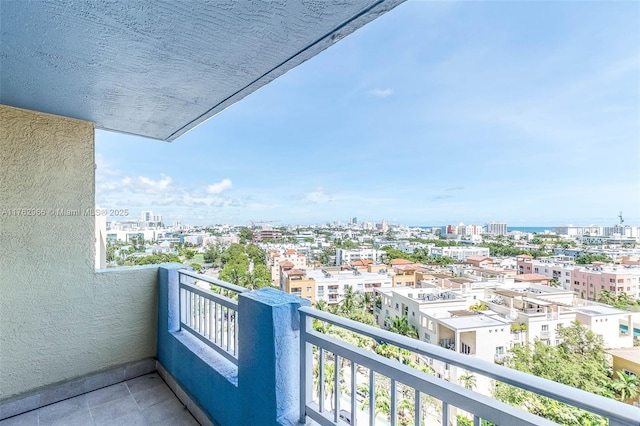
x,y
587,282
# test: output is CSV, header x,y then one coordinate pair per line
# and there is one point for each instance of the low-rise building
x,y
344,256
457,252
274,258
331,284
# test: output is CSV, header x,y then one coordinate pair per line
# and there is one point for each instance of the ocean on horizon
x,y
531,229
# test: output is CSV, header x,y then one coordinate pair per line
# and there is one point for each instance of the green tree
x,y
467,380
256,254
349,301
245,235
626,386
259,278
401,326
586,259
233,273
579,361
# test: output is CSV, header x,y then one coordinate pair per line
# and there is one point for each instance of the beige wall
x,y
59,319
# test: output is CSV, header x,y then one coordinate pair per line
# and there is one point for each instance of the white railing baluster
x,y
404,377
354,393
336,387
417,407
372,397
209,316
321,379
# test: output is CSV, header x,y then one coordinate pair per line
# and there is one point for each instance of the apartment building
x,y
588,281
442,317
330,284
290,258
540,311
479,261
559,268
344,257
458,253
496,228
464,230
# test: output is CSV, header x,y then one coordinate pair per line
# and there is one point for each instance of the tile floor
x,y
143,401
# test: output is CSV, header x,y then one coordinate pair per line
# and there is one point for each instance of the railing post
x,y
168,308
269,357
306,367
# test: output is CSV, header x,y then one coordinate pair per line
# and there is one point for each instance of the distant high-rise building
x,y
149,216
354,220
496,228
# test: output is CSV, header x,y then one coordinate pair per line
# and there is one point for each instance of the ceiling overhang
x,y
158,68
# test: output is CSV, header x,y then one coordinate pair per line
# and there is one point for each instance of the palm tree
x,y
467,380
401,326
626,386
348,303
329,371
368,300
382,399
321,305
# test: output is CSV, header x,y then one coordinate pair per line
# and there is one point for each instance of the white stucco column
x,y
59,319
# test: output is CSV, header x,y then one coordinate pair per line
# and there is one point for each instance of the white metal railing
x,y
313,395
211,317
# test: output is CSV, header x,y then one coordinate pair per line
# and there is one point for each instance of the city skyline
x,y
435,113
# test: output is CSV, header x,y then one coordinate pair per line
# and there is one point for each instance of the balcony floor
x,y
143,401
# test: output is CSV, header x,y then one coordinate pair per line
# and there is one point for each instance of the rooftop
x,y
472,321
629,354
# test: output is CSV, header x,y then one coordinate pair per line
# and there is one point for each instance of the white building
x,y
458,253
345,257
149,216
495,228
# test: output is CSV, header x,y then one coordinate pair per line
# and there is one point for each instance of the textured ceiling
x,y
158,68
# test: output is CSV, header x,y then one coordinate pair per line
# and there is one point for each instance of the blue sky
x,y
435,113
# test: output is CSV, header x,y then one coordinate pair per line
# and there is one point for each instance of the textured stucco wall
x,y
59,318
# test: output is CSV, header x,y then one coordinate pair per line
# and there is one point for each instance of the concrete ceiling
x,y
158,68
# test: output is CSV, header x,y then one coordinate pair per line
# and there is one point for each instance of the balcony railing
x,y
313,402
209,316
295,389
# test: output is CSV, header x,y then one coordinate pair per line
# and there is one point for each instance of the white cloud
x,y
380,93
220,187
318,197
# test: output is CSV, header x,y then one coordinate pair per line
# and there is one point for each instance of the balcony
x,y
216,364
447,343
500,358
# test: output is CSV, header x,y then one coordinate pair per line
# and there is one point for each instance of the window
x,y
629,373
308,289
465,349
559,326
499,350
545,327
396,306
